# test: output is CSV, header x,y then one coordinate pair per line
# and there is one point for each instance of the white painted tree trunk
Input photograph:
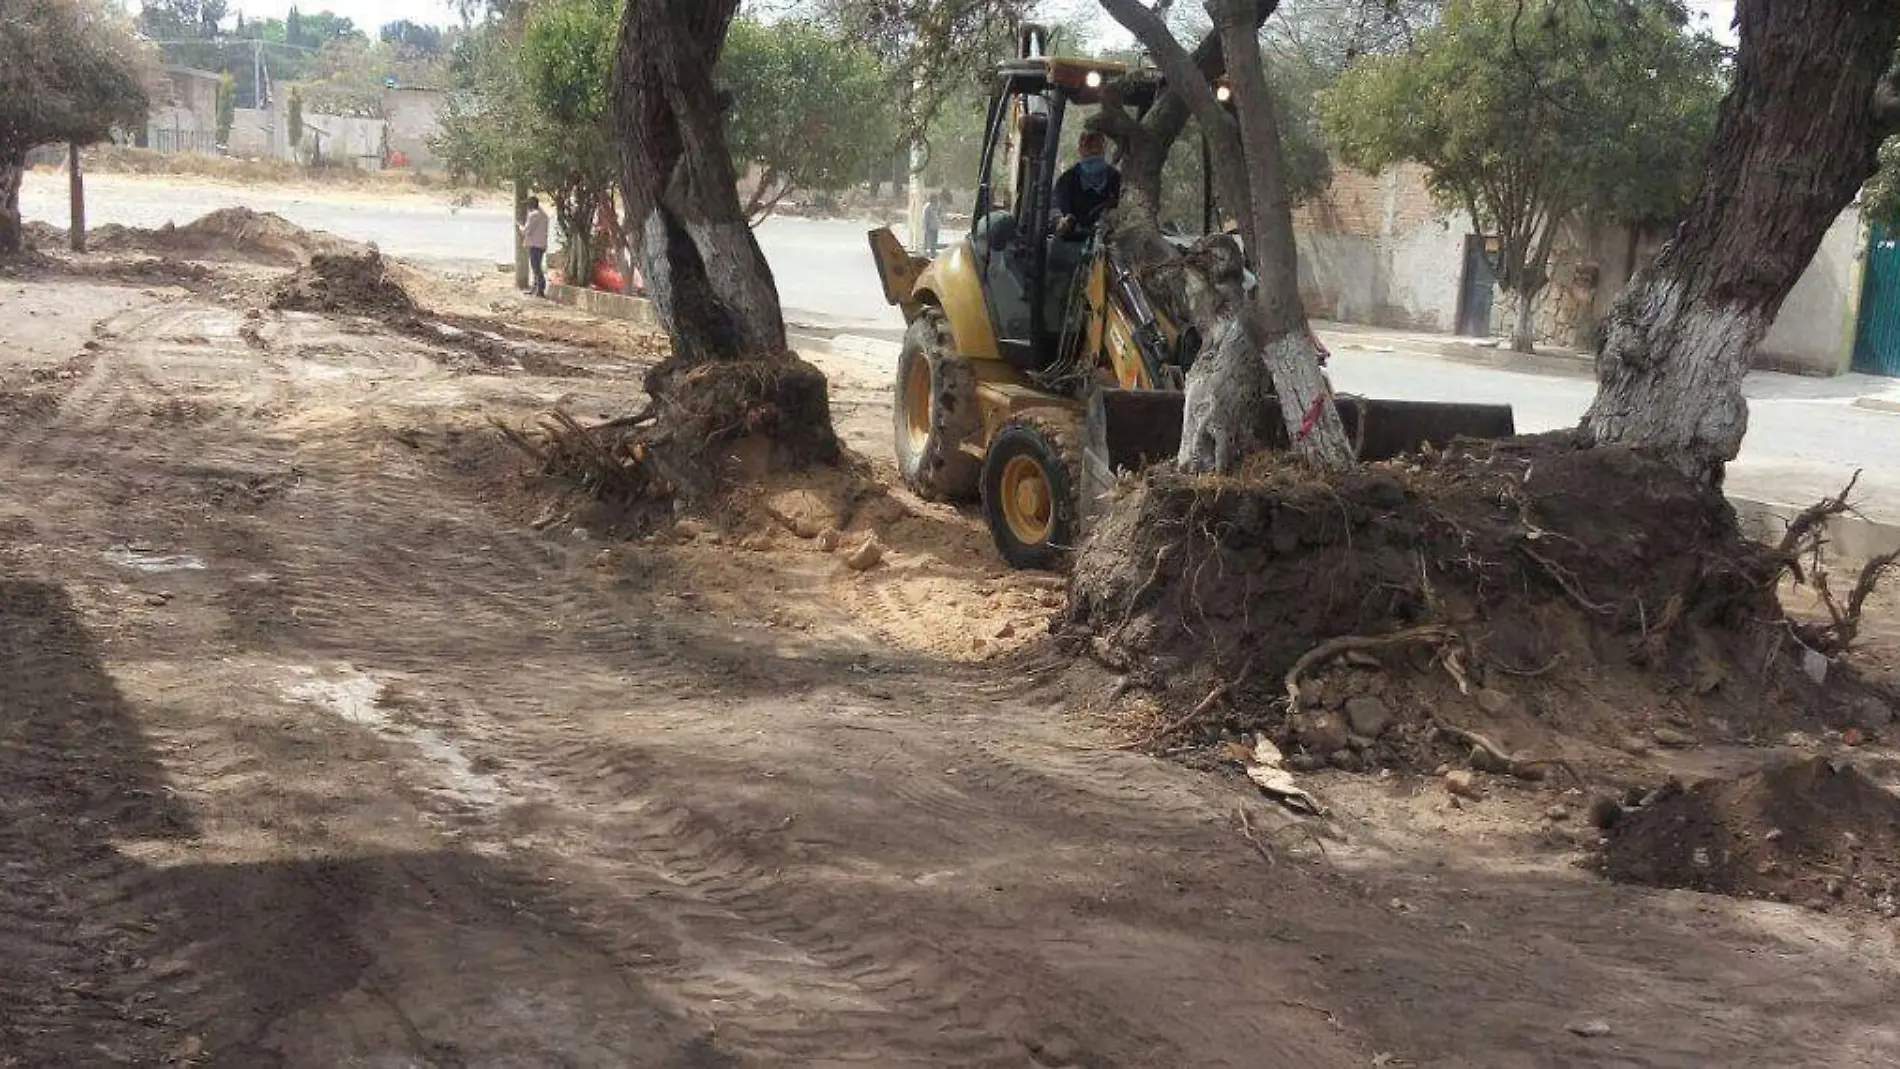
x,y
1226,389
1524,331
1670,375
1795,142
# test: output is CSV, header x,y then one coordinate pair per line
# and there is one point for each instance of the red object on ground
x,y
607,277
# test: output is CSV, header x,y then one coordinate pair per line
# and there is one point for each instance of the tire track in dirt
x,y
463,594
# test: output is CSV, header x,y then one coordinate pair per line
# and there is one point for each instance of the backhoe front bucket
x,y
1129,429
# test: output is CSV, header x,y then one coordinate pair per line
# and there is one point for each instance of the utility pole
x,y
76,234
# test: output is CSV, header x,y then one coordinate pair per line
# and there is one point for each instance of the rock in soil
x,y
1675,740
1591,1029
1721,836
866,556
1462,784
1323,733
1368,716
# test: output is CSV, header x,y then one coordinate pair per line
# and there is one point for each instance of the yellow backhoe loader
x,y
1035,369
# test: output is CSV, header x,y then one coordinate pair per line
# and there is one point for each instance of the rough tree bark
x,y
1796,140
1524,329
1250,349
730,373
12,174
1277,319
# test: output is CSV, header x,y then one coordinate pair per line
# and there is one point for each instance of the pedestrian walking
x,y
534,234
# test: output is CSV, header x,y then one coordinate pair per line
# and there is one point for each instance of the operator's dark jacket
x,y
1072,198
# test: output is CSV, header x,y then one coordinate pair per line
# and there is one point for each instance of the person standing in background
x,y
534,234
933,224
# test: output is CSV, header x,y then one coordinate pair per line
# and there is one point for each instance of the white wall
x,y
1814,332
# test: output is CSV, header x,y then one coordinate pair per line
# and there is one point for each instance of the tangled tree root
x,y
1514,579
705,422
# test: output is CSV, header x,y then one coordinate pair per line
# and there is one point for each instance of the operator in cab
x,y
1086,190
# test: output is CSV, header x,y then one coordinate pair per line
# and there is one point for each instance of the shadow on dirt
x,y
290,963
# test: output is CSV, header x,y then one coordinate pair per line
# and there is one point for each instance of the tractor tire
x,y
1030,476
935,412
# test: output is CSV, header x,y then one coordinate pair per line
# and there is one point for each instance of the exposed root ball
x,y
705,421
1522,561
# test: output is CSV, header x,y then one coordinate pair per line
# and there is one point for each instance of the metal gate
x,y
1480,282
1877,336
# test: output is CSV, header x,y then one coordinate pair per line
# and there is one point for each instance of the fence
x,y
172,139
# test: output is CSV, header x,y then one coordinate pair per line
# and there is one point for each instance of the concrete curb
x,y
639,310
636,310
1851,540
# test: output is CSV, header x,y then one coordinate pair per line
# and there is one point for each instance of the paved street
x,y
823,268
1806,437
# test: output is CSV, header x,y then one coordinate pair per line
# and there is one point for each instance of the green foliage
x,y
293,124
72,73
408,36
530,104
227,107
928,49
811,110
1526,111
1880,200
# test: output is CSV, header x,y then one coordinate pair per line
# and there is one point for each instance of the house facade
x,y
184,112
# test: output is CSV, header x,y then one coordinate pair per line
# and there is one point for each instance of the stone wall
x,y
1377,249
415,118
1374,249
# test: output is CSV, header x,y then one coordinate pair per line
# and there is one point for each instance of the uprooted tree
x,y
730,374
1488,578
1814,95
71,75
1253,346
1528,113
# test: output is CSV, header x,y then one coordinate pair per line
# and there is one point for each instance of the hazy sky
x,y
371,14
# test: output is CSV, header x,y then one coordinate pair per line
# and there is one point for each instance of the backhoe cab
x,y
1035,368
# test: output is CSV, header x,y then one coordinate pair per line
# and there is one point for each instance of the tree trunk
x,y
711,288
575,209
1278,318
12,174
710,284
76,233
1796,140
1524,331
521,250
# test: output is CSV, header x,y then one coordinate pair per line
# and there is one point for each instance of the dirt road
x,y
315,755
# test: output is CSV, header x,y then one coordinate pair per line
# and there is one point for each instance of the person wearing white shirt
x,y
534,234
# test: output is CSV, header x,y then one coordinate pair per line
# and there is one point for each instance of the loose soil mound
x,y
1811,831
229,233
357,283
1504,588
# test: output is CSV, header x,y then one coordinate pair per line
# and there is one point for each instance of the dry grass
x,y
122,159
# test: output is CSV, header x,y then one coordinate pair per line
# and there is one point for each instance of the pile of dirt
x,y
1812,831
44,235
344,283
1472,603
229,233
